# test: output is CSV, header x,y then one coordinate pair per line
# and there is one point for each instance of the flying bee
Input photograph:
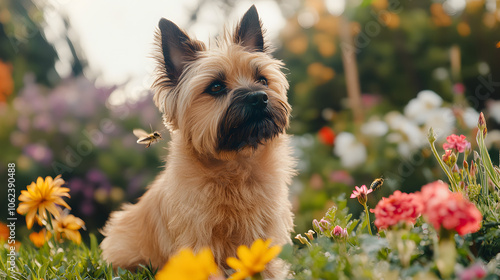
x,y
377,183
147,138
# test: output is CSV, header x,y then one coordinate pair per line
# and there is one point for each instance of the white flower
x,y
417,108
470,117
442,120
493,138
351,152
494,110
406,133
375,128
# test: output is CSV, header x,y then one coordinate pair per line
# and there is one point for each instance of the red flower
x,y
326,136
398,207
452,211
457,143
361,194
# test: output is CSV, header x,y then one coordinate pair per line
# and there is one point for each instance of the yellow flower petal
x,y
30,217
189,266
252,260
234,263
42,196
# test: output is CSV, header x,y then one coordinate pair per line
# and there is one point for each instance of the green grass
x,y
68,261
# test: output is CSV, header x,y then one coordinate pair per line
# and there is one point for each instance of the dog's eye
x,y
262,81
216,88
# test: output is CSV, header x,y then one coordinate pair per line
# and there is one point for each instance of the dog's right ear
x,y
177,49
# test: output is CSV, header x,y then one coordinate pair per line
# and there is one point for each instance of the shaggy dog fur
x,y
229,165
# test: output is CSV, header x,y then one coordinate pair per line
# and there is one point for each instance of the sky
x,y
116,36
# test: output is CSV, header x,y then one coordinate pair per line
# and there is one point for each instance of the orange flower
x,y
398,207
4,232
449,210
6,82
39,238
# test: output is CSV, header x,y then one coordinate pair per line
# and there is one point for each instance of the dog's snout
x,y
258,99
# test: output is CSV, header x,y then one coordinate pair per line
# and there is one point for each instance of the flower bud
x,y
462,185
476,155
302,239
481,123
344,233
466,165
449,158
324,225
473,170
362,198
431,136
337,231
310,235
316,226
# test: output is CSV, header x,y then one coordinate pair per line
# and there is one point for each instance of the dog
x,y
229,164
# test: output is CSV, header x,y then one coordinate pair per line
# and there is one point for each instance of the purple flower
x,y
96,176
87,207
39,153
43,122
76,185
23,123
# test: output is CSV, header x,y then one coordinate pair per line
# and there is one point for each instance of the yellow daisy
x,y
252,260
66,226
40,196
188,266
39,238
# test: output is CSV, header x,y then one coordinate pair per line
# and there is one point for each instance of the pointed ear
x,y
177,49
249,31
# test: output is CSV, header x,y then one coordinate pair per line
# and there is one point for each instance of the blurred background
x,y
368,78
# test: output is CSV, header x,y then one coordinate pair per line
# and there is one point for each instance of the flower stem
x,y
450,177
368,219
50,227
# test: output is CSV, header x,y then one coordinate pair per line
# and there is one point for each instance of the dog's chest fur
x,y
228,203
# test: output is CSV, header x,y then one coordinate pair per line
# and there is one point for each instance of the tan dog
x,y
225,183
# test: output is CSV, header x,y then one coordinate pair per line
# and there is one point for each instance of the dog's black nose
x,y
258,99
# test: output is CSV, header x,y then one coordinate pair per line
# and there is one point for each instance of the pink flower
x,y
457,143
398,207
473,272
449,210
338,231
361,193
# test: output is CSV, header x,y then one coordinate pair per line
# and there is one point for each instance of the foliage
x,y
429,249
67,261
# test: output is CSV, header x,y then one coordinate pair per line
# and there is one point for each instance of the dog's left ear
x,y
249,31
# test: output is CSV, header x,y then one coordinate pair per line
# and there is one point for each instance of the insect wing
x,y
142,135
